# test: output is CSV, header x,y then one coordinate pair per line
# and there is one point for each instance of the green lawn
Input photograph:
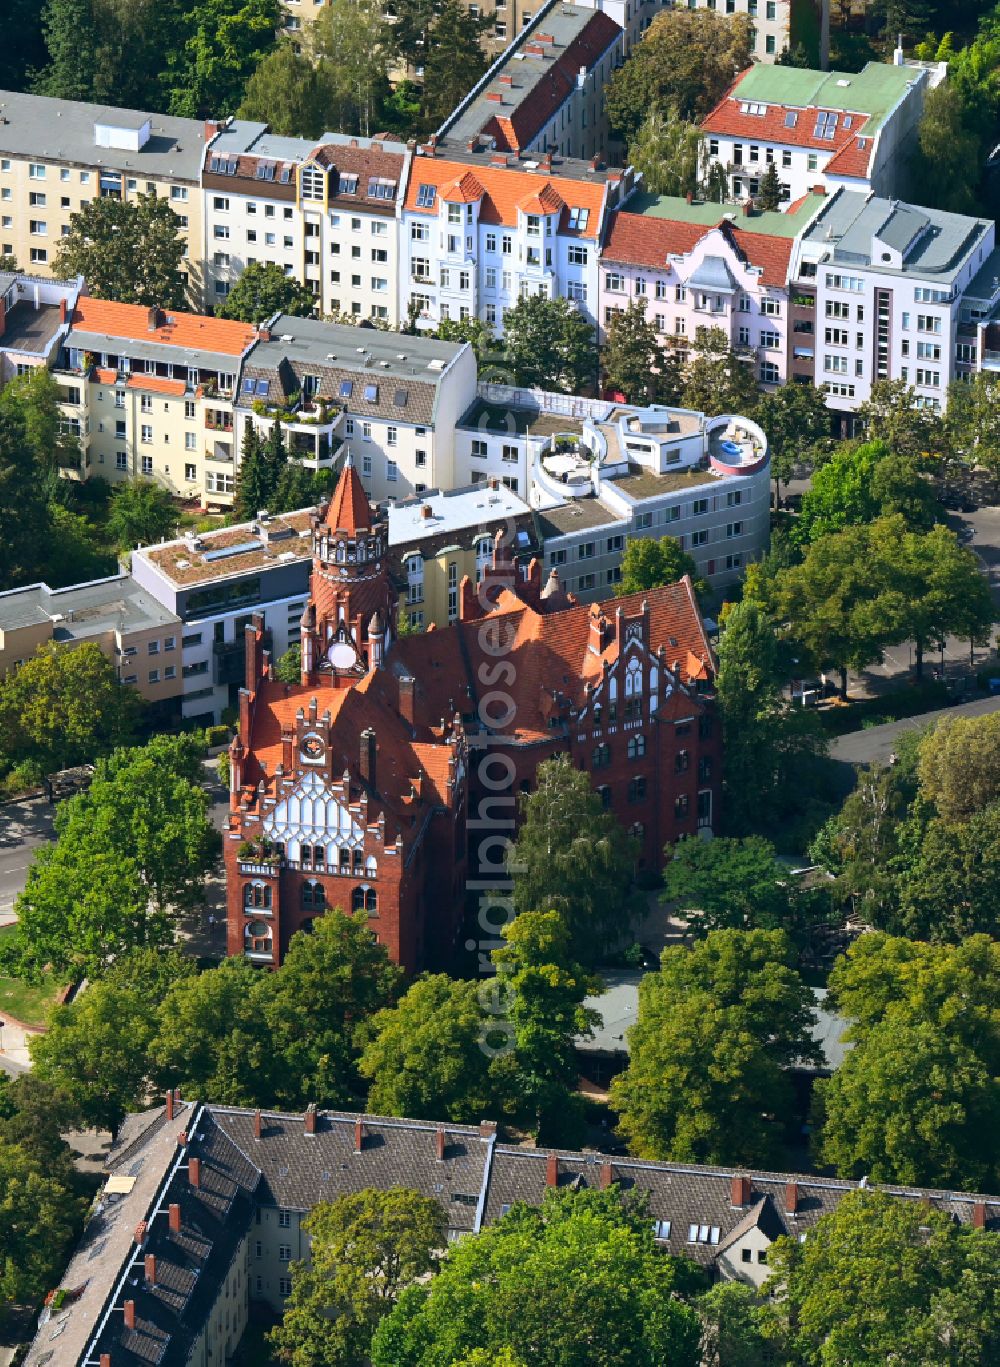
x,y
22,1000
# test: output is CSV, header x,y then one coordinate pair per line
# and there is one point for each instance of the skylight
x,y
578,218
346,388
791,118
826,125
426,196
371,393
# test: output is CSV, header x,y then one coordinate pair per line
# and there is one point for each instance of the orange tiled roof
x,y
349,509
853,160
157,384
465,190
546,651
105,376
544,201
504,189
728,119
195,331
636,240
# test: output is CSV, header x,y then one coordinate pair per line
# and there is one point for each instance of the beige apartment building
x,y
150,393
58,155
138,634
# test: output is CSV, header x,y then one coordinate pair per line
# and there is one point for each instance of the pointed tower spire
x,y
349,509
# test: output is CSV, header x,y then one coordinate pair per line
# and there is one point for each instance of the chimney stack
x,y
154,319
367,757
130,1314
689,197
407,699
740,1190
174,1218
256,1123
170,1105
105,1360
150,1268
359,1135
440,1144
791,1198
140,1233
194,1172
310,1118
607,1176
487,1128
979,1215
552,1170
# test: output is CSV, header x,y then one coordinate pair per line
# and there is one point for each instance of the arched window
x,y
257,896
636,747
371,866
257,937
358,860
365,899
604,793
633,679
313,895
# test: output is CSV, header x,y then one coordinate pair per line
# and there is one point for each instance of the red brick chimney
x,y
174,1218
257,1124
440,1144
486,1128
367,756
263,334
150,1267
194,1172
740,1190
747,208
140,1233
62,310
552,1170
170,1105
607,1176
310,1119
105,1360
791,1198
407,699
979,1215
130,1314
689,197
359,1135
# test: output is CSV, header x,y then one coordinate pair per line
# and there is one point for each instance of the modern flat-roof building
x,y
58,155
890,282
831,128
202,1208
132,627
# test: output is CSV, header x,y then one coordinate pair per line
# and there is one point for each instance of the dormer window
x,y
313,181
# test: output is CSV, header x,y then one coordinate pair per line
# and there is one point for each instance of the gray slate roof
x,y
47,129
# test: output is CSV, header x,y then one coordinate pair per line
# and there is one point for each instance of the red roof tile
x,y
194,331
728,119
349,509
636,240
504,189
157,384
853,160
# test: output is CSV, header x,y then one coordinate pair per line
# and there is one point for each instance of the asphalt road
x,y
25,826
875,744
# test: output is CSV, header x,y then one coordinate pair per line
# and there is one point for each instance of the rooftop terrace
x,y
233,551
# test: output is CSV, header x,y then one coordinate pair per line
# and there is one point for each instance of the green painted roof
x,y
708,213
873,91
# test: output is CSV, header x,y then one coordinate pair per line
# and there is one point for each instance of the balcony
x,y
219,451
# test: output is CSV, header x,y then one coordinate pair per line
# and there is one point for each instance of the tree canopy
x,y
649,564
636,362
717,1027
573,857
550,344
365,1249
129,251
579,1280
263,290
716,379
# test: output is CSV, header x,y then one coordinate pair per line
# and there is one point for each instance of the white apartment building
x,y
58,155
392,399
833,129
890,283
599,473
326,212
479,233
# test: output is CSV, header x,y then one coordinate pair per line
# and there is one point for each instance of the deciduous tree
x,y
578,1281
959,765
129,251
716,379
573,857
796,419
550,344
947,165
263,290
541,989
142,513
636,362
354,42
453,60
923,1288
649,563
667,150
221,44
717,1028
291,94
728,883
685,61
424,1057
365,1249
